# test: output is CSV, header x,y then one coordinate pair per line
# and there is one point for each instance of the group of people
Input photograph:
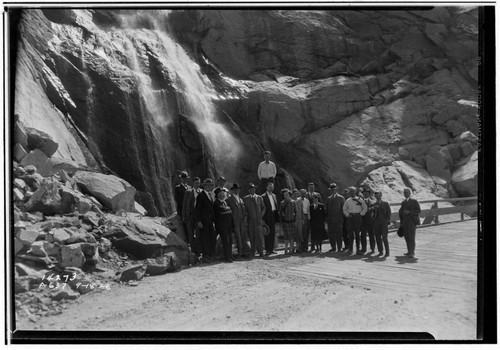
x,y
208,210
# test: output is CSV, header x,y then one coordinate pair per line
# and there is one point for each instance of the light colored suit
x,y
255,209
239,222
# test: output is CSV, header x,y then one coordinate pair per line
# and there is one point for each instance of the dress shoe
x,y
386,255
409,256
380,254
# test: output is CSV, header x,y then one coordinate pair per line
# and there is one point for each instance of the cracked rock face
x,y
146,94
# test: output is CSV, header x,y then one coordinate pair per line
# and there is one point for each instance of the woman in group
x,y
223,222
318,216
288,213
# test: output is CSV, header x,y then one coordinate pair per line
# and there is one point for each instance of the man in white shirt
x,y
354,209
306,216
270,217
266,171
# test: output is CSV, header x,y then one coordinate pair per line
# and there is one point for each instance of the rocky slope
x,y
335,95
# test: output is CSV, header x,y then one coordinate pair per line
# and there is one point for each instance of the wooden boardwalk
x,y
446,259
442,278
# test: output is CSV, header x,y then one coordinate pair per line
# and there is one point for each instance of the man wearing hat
x,y
180,191
266,171
306,217
354,208
255,210
367,225
204,219
223,222
335,217
239,214
188,207
409,217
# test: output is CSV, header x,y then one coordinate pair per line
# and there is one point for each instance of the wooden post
x,y
436,218
462,213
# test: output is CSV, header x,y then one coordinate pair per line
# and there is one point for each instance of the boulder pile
x,y
76,231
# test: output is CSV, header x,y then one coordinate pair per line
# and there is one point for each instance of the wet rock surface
x,y
402,87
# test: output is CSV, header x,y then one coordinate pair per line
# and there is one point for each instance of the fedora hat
x,y
184,174
235,187
251,185
207,181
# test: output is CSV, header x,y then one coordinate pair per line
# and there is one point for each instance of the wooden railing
x,y
429,217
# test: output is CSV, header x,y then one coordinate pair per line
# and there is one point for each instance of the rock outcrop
x,y
142,95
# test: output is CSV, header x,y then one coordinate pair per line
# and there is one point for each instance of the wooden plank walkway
x,y
434,293
446,260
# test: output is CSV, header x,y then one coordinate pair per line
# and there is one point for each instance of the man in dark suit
x,y
255,208
409,218
204,218
188,207
381,219
271,217
335,218
180,190
238,211
367,222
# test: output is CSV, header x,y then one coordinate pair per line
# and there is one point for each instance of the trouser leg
x,y
259,239
269,239
338,235
377,232
305,235
237,236
410,237
363,234
252,236
345,234
226,242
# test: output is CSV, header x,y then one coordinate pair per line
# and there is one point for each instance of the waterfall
x,y
147,32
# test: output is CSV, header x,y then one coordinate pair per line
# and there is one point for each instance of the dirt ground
x,y
331,292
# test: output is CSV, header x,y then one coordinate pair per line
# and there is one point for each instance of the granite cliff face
x,y
336,95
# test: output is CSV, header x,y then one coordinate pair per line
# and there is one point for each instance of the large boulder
x,y
48,200
132,273
464,178
143,238
40,160
113,192
39,140
72,255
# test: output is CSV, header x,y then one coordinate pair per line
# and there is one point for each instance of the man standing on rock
x,y
409,217
335,216
204,217
271,217
239,220
266,171
381,222
306,217
188,207
255,209
367,226
354,209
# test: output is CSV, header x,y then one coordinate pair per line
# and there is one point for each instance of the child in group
x,y
318,216
288,213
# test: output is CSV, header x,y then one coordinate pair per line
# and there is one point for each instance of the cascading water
x,y
147,31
